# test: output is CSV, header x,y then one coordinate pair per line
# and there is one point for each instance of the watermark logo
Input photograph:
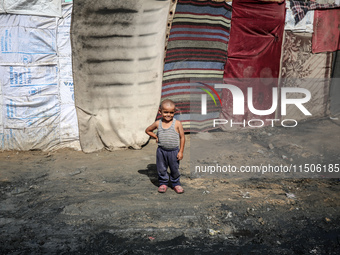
x,y
239,102
204,97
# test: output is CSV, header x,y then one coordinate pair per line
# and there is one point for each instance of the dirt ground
x,y
69,202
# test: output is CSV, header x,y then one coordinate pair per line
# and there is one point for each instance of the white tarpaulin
x,y
36,93
28,40
2,8
51,8
69,134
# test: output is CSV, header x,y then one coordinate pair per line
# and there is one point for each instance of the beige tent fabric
x,y
118,51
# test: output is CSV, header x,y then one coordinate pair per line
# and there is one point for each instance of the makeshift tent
x,y
118,53
302,68
120,77
37,103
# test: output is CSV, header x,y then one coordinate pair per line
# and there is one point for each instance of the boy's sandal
x,y
162,188
178,189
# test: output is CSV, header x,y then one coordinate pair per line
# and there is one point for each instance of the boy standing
x,y
170,138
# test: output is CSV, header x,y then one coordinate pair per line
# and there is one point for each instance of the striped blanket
x,y
195,58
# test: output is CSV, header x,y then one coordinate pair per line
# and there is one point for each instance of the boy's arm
x,y
151,128
182,140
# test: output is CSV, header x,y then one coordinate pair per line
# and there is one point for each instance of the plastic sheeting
x,y
118,50
50,8
36,97
254,53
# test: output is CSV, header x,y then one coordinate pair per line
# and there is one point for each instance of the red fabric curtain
x,y
326,36
254,53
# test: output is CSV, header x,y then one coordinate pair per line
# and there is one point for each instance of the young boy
x,y
170,138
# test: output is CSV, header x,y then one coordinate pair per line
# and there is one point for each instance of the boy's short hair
x,y
167,101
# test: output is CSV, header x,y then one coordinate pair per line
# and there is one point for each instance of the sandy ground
x,y
68,202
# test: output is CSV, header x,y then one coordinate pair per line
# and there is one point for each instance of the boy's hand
x,y
182,139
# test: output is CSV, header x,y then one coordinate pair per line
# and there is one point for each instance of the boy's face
x,y
167,111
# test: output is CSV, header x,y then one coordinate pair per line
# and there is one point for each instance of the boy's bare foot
x,y
178,189
162,188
